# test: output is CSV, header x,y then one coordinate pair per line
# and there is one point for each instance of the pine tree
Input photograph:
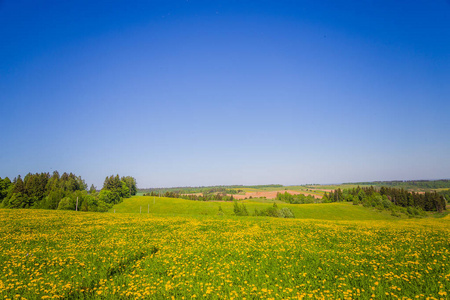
x,y
92,190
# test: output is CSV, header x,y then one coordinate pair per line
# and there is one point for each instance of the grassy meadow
x,y
183,250
174,207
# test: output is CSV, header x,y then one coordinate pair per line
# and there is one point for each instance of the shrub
x,y
109,197
66,203
103,206
220,213
287,212
240,209
273,211
386,202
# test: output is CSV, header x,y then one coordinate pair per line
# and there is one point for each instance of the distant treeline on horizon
x,y
411,184
230,189
426,184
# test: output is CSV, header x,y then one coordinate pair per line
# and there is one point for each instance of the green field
x,y
172,206
312,190
183,250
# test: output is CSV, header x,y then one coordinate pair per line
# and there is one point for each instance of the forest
x,y
411,184
64,192
387,197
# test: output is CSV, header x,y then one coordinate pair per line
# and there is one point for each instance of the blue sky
x,y
190,93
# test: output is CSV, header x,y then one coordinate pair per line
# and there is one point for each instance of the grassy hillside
x,y
173,207
76,255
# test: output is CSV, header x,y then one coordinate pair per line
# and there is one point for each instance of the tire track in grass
x,y
87,291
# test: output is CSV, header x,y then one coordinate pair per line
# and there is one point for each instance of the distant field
x,y
289,187
173,206
315,189
333,187
273,194
75,255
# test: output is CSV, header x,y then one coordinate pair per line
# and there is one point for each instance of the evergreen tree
x,y
92,190
18,185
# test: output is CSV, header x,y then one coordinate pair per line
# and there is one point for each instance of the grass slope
x,y
75,255
173,206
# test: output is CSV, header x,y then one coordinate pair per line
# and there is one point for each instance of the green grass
x,y
76,255
173,207
440,215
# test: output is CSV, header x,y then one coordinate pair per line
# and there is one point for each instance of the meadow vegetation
x,y
83,255
149,247
161,206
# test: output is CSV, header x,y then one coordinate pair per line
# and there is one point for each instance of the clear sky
x,y
191,93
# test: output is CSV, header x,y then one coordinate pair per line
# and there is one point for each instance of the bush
x,y
415,212
386,202
287,212
240,209
395,214
273,211
103,206
109,197
66,203
220,213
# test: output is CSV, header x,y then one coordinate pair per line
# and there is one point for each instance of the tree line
x,y
226,189
65,192
192,190
296,199
410,184
202,197
386,197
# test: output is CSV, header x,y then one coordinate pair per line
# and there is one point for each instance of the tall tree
x,y
131,184
92,190
5,185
